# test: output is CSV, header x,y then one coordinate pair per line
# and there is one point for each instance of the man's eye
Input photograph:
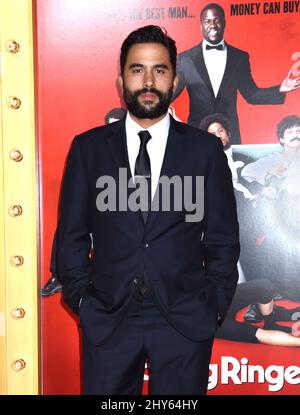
x,y
137,70
160,71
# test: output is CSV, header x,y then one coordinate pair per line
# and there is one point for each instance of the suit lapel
x,y
201,68
117,144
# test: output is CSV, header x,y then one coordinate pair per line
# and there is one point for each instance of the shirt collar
x,y
155,130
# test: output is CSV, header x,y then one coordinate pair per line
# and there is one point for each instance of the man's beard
x,y
142,112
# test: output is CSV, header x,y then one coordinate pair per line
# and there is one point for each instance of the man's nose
x,y
148,79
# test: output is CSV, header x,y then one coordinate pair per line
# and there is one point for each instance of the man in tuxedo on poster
x,y
158,283
214,71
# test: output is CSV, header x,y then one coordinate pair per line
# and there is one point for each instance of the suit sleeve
x,y
252,93
221,231
73,234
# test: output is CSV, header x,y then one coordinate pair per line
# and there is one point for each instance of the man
x,y
214,71
157,283
275,179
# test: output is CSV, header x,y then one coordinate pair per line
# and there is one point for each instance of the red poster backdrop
x,y
78,45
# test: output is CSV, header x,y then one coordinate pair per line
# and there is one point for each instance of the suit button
x,y
146,245
135,281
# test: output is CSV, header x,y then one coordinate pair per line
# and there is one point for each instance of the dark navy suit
x,y
190,267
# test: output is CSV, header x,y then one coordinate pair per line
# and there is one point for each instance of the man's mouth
x,y
295,139
148,96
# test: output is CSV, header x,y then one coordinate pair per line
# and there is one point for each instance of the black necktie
x,y
217,47
143,168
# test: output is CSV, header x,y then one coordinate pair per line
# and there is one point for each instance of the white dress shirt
x,y
155,147
215,62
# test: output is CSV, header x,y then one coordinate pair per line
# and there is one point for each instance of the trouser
x,y
177,365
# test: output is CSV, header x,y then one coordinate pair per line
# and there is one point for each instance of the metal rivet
x,y
13,102
19,365
12,46
16,155
15,210
16,260
18,313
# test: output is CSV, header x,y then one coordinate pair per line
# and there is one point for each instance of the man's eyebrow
x,y
161,65
136,65
139,65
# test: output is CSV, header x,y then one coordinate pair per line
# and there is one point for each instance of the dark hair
x,y
285,123
149,34
217,117
213,6
117,113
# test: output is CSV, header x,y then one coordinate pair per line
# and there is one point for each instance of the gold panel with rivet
x,y
12,46
16,260
15,210
18,313
19,341
15,155
19,365
13,102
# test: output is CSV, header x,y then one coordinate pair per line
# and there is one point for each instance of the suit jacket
x,y
193,75
190,267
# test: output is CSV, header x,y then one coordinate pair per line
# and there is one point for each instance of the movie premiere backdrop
x,y
78,45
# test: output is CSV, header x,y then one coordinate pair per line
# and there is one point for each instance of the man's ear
x,y
200,19
175,83
120,81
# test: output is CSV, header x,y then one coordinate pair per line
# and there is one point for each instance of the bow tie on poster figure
x,y
216,47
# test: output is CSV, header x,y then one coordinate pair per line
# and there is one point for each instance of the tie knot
x,y
144,136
